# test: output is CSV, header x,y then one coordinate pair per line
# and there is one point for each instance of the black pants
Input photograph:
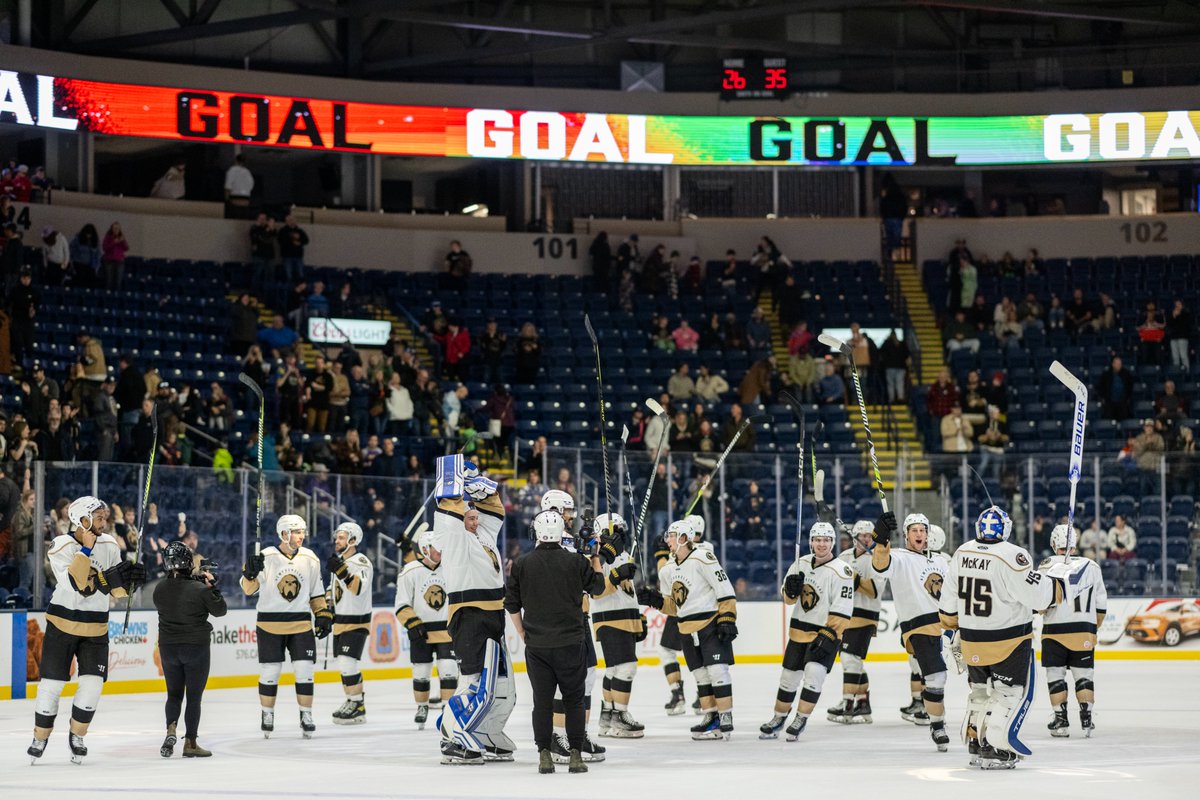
x,y
185,666
564,669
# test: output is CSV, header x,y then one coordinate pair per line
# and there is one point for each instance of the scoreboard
x,y
754,78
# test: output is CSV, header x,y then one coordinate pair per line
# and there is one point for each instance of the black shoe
x,y
592,751
36,749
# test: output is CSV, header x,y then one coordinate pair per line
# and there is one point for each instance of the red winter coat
x,y
455,346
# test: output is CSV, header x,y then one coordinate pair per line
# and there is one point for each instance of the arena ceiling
x,y
830,45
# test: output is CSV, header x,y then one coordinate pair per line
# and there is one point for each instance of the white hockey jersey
x,y
289,590
700,590
352,597
79,605
826,599
1074,623
917,581
421,595
992,590
867,589
617,607
471,563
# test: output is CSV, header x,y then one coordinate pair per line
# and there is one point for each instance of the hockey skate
x,y
168,746
915,712
351,712
726,720
696,709
592,751
1085,720
937,732
625,726
78,749
560,751
497,754
268,723
677,704
840,712
421,716
1060,726
973,751
456,754
991,758
606,720
36,748
709,727
860,711
307,727
796,728
771,728
435,703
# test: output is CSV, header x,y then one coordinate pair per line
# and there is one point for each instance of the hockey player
x,y
992,592
351,576
287,580
421,609
1069,640
468,520
670,643
703,600
820,590
88,570
856,638
916,576
618,624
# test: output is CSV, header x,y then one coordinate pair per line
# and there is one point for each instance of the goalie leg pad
x,y
1005,714
977,708
475,717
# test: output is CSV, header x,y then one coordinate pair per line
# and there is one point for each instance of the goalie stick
x,y
262,412
660,412
1078,424
587,323
798,413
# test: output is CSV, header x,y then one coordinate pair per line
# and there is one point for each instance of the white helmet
x,y
861,527
354,534
916,519
600,524
548,526
935,540
1060,539
821,530
697,523
557,500
82,509
682,530
288,523
426,542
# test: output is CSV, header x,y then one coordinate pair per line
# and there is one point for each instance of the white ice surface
x,y
1148,728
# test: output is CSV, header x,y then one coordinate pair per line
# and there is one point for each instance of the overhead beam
x,y
1090,11
175,11
205,12
77,18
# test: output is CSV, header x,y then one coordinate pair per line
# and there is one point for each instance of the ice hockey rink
x,y
1147,717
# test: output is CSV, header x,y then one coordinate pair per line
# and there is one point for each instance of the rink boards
x,y
134,664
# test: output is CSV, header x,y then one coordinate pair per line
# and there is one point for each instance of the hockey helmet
x,y
993,525
863,526
698,525
1061,539
600,525
288,523
821,530
916,519
178,557
558,500
682,531
82,509
426,542
354,534
548,527
935,541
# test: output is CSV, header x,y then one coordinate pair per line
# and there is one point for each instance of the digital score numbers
x,y
754,78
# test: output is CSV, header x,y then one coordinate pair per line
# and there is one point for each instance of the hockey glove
x,y
611,545
885,528
726,628
324,623
480,488
417,632
337,566
641,635
254,566
793,584
126,575
824,646
625,572
650,597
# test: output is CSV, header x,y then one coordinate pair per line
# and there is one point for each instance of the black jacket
x,y
131,389
548,584
184,606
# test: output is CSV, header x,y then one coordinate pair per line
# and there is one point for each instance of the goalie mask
x,y
935,542
548,527
821,530
288,523
993,525
354,534
84,508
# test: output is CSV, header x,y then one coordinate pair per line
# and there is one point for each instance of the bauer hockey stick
x,y
837,344
587,323
746,423
262,413
137,554
661,413
1079,423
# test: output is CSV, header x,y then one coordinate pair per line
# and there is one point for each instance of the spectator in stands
x,y
831,389
37,394
682,436
359,405
710,386
168,451
348,452
316,304
1183,463
278,336
802,367
692,279
712,335
601,254
974,399
1000,312
894,356
1151,334
263,238
218,409
656,427
772,266
729,274
961,334
1148,448
660,337
563,482
316,398
492,344
535,457
892,210
1122,540
388,463
968,277
42,186
1107,314
792,302
735,334
528,354
292,241
173,184
680,385
959,251
452,408
23,304
239,183
1170,406
996,392
1031,313
502,411
756,385
56,257
745,442
456,350
957,432
654,272
339,397
289,386
686,338
458,266
130,391
1179,328
862,347
113,251
1115,388
629,258
85,257
942,397
427,403
1093,542
1056,317
434,320
1080,314
992,441
243,319
142,435
758,333
103,414
979,313
379,521
188,407
370,451
1010,332
1033,262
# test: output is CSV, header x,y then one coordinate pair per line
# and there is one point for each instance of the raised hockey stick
x,y
587,323
660,412
1079,423
798,413
837,344
623,464
746,423
137,554
262,413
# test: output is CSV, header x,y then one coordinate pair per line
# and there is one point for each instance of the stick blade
x,y
624,434
831,341
655,407
1065,376
760,419
249,382
587,323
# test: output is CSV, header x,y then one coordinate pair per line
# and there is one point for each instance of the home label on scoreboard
x,y
754,78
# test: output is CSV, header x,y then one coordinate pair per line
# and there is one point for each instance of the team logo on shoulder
x,y
679,593
809,597
1022,560
435,596
933,585
289,587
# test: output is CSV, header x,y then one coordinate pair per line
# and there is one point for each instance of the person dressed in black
x,y
547,584
185,600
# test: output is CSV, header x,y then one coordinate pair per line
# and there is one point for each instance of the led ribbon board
x,y
191,114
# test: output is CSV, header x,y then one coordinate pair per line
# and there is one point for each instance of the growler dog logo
x,y
435,597
89,588
933,585
495,560
289,587
679,593
809,597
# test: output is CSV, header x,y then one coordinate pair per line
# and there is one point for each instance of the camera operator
x,y
185,599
